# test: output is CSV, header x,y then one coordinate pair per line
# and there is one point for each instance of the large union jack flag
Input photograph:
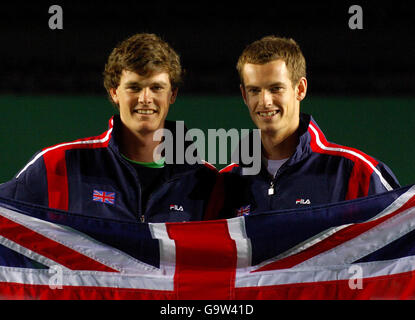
x,y
360,249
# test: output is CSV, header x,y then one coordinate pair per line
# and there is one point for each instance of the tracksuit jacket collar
x,y
172,169
303,149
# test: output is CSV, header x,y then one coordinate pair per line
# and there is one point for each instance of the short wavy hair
x,y
272,48
142,53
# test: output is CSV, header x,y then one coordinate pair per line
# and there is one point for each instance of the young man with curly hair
x,y
119,174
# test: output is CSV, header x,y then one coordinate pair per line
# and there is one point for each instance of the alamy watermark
x,y
247,146
56,18
356,278
56,278
356,20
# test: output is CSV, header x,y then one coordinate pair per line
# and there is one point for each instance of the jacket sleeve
x,y
382,180
369,179
29,184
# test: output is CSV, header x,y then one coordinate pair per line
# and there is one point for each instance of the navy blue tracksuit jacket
x,y
90,177
319,172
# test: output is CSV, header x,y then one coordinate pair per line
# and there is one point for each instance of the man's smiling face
x,y
144,100
272,100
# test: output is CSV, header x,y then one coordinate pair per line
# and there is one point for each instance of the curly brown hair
x,y
272,48
142,53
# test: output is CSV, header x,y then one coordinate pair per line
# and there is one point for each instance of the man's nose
x,y
144,97
265,99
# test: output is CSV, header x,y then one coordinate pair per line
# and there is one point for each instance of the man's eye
x,y
157,88
276,89
253,90
133,89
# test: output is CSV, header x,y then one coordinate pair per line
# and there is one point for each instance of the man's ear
x,y
173,95
114,96
243,91
301,89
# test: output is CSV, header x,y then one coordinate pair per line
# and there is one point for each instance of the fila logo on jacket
x,y
176,207
302,201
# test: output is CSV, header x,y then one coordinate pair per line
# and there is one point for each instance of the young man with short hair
x,y
119,174
299,166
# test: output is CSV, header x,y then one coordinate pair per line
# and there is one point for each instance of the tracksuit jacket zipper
x,y
272,186
271,189
142,217
133,172
141,214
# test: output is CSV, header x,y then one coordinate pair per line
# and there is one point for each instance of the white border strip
x,y
367,242
303,245
167,249
329,273
237,232
29,253
395,205
398,203
85,279
322,146
81,243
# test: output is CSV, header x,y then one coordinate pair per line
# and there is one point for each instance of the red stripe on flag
x,y
48,248
397,286
205,260
334,240
18,291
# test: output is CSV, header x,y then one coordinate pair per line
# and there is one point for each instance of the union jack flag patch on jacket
x,y
243,211
103,196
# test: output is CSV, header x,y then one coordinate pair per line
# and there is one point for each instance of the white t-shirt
x,y
274,165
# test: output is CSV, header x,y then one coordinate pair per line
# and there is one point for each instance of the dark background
x,y
209,35
361,83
